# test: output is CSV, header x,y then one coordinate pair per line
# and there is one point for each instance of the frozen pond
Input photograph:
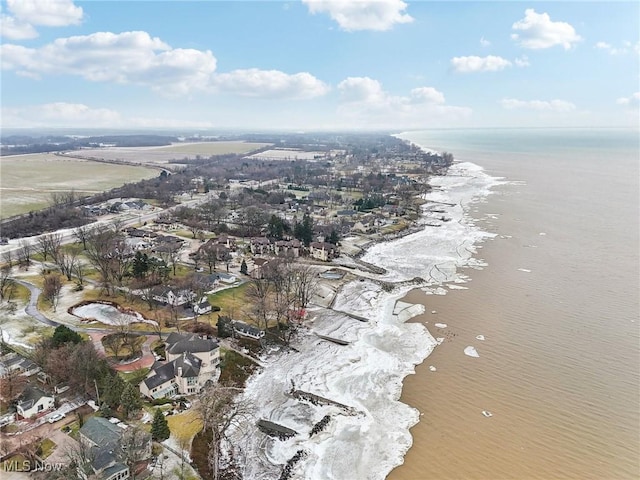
x,y
108,314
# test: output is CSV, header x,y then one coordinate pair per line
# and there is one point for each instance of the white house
x,y
33,402
172,296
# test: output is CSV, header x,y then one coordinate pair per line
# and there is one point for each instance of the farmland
x,y
27,181
163,155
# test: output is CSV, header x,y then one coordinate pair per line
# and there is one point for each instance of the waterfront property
x,y
192,361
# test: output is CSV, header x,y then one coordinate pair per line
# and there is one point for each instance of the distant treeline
x,y
21,144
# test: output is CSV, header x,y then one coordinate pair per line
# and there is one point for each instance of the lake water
x,y
557,306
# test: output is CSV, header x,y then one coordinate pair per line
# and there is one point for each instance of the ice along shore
x,y
362,430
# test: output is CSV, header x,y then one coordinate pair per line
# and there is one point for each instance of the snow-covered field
x,y
370,437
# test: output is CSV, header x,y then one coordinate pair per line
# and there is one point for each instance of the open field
x,y
212,148
162,155
27,181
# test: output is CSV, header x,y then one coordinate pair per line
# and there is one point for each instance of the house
x,y
202,307
103,442
226,241
172,296
288,247
227,278
260,245
323,251
33,402
192,362
242,329
258,267
17,363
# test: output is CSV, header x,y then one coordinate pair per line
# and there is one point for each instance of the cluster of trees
x,y
70,360
280,297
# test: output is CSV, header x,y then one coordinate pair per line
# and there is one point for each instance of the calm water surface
x,y
558,306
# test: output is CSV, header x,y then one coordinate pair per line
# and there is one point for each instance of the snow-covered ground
x,y
370,437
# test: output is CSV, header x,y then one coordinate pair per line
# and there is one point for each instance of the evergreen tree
x,y
130,400
113,388
159,428
333,237
243,268
64,334
140,265
224,326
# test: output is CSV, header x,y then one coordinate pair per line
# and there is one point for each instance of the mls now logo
x,y
29,466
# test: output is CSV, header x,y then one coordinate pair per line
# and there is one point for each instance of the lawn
x,y
46,447
21,191
136,377
185,426
231,301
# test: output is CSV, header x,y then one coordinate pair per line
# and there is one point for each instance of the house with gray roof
x,y
33,402
103,443
192,361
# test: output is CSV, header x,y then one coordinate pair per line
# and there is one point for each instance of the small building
x,y
258,269
202,307
242,329
323,251
33,402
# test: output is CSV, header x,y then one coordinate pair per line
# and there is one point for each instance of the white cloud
x,y
125,58
352,15
49,13
137,58
270,83
427,95
60,114
484,42
611,50
27,13
522,61
365,104
63,114
473,63
561,106
537,31
14,29
632,101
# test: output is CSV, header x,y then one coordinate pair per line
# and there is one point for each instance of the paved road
x,y
32,308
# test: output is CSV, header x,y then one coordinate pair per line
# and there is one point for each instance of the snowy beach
x,y
368,431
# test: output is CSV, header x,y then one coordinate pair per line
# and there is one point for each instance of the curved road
x,y
32,308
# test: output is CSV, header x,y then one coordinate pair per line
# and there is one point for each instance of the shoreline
x,y
368,372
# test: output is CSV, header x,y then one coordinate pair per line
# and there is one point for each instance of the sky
x,y
319,64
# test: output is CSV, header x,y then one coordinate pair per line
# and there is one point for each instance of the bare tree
x,y
79,271
305,284
49,245
24,253
51,289
67,261
7,258
259,302
220,408
135,446
7,284
11,387
82,234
